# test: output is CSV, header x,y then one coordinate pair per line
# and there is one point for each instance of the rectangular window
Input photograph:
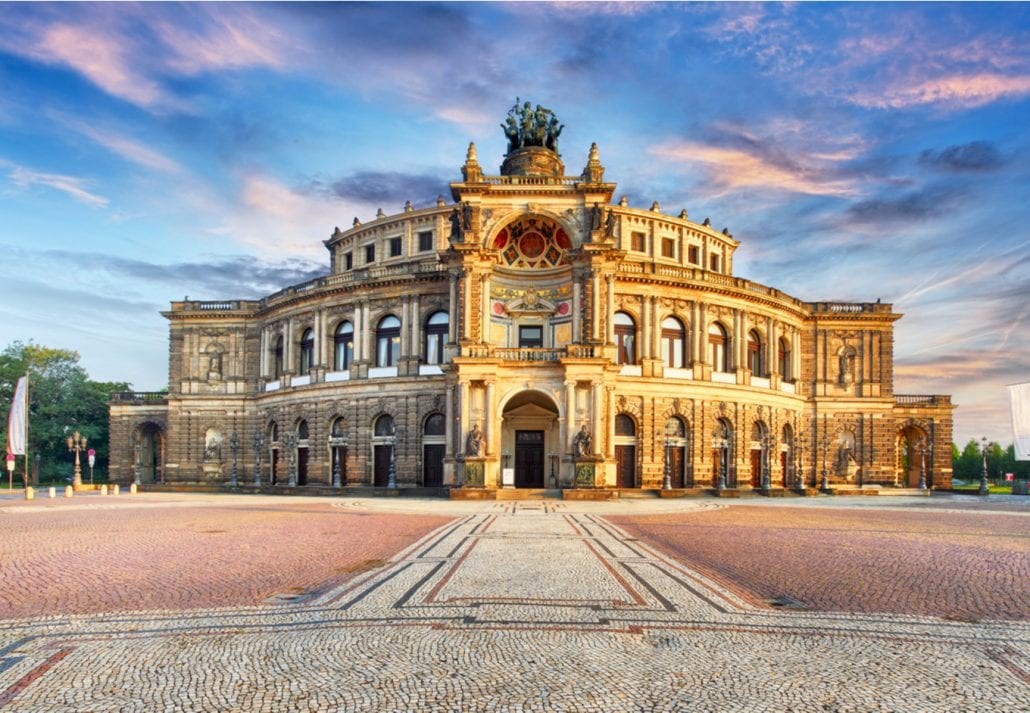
x,y
348,261
425,241
637,242
370,254
693,255
531,336
714,263
395,247
668,247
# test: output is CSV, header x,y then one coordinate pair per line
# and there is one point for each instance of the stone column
x,y
288,346
488,420
595,305
609,332
452,310
570,415
415,347
644,338
405,327
449,423
484,310
597,412
465,419
610,445
263,354
466,313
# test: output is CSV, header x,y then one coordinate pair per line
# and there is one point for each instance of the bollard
x,y
114,489
68,491
103,490
132,489
30,494
52,491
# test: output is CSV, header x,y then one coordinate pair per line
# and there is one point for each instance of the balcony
x,y
139,397
532,354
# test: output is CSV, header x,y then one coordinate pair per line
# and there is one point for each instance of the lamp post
x,y
723,446
922,462
76,444
984,490
259,443
667,480
826,448
767,444
800,479
334,449
391,481
554,468
234,448
290,444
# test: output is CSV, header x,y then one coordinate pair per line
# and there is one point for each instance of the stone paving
x,y
516,606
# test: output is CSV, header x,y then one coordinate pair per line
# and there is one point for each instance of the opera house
x,y
532,334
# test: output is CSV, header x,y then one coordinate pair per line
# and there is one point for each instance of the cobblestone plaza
x,y
295,603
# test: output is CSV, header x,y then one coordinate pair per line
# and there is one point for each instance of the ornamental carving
x,y
532,242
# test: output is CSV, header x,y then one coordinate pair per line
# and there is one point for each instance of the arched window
x,y
277,358
755,362
343,351
718,347
783,357
339,429
302,431
307,352
384,426
435,425
624,425
388,341
436,337
674,427
625,339
674,343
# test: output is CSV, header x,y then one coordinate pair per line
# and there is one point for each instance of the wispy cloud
x,y
964,91
976,156
69,185
125,147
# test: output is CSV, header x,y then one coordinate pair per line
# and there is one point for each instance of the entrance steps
x,y
528,494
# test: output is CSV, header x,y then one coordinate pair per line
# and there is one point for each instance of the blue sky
x,y
857,151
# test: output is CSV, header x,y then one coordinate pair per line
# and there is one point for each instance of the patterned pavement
x,y
516,606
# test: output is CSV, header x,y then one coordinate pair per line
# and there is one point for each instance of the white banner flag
x,y
17,423
1019,395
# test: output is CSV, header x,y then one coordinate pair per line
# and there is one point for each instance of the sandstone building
x,y
531,334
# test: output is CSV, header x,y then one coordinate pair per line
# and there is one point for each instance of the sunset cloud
x,y
956,90
69,185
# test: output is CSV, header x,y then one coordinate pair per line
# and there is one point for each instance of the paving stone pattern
x,y
516,608
961,565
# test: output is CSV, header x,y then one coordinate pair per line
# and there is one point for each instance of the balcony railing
x,y
531,354
138,397
922,399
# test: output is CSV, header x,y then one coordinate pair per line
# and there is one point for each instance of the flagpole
x,y
25,475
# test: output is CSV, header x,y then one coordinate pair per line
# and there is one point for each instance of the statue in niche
x,y
474,442
609,225
212,446
582,443
214,366
846,366
595,217
466,216
455,226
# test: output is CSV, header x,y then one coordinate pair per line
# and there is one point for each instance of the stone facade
x,y
532,309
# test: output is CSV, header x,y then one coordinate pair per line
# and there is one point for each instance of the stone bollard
x,y
30,494
68,492
114,489
132,489
103,490
52,491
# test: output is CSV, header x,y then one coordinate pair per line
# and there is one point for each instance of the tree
x,y
62,400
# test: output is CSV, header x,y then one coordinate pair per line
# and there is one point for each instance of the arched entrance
x,y
302,453
759,452
338,451
149,454
530,434
625,451
723,472
433,446
273,452
383,443
787,467
910,445
676,453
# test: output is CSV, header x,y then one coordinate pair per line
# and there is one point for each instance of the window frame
x,y
436,333
425,241
719,348
344,339
306,353
625,339
388,342
673,337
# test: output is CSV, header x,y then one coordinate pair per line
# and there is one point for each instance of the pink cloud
x,y
69,185
958,90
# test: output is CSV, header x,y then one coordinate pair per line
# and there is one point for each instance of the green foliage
x,y
62,400
968,464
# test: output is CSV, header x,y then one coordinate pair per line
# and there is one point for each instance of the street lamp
x,y
984,490
667,480
722,444
767,445
290,444
234,447
800,445
391,481
259,443
77,444
334,450
554,468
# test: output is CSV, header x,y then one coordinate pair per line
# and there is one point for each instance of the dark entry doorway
x,y
626,466
382,466
432,462
529,459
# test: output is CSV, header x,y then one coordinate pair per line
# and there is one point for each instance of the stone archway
x,y
149,456
530,439
908,458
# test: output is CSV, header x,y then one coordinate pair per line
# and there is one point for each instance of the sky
x,y
857,151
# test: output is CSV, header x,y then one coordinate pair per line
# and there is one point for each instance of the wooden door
x,y
626,466
756,469
432,465
302,466
676,463
783,469
529,459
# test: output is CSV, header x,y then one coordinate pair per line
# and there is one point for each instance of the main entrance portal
x,y
529,459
